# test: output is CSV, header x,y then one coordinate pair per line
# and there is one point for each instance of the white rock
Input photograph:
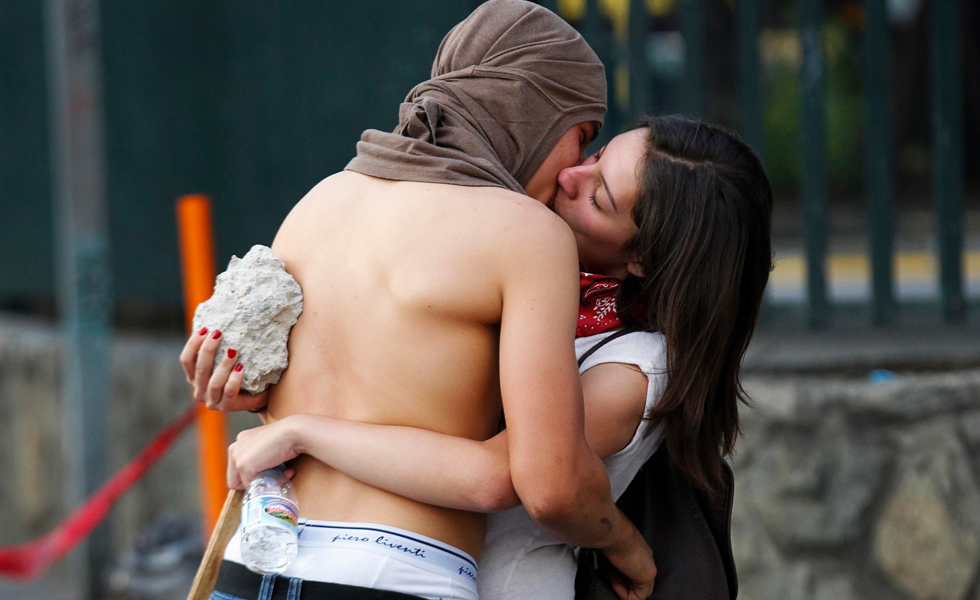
x,y
255,304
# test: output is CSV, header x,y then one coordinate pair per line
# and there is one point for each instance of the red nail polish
x,y
232,352
216,334
239,367
202,331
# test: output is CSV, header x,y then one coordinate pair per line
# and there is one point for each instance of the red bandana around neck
x,y
597,305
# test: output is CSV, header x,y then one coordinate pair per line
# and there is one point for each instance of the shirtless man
x,y
438,298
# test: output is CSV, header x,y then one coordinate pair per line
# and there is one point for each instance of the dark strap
x,y
605,341
236,580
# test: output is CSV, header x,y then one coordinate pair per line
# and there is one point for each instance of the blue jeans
x,y
265,590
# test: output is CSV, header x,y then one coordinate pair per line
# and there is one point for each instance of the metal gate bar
x,y
878,161
814,160
750,75
948,153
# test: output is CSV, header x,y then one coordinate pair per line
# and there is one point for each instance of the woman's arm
x,y
431,467
422,465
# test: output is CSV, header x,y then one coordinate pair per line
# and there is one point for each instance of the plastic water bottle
x,y
270,528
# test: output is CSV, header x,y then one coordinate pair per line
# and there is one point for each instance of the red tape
x,y
27,561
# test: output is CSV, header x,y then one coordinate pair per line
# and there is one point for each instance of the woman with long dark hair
x,y
679,212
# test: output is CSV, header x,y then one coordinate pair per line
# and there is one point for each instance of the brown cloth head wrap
x,y
506,84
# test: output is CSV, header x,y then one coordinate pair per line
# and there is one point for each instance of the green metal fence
x,y
947,147
253,102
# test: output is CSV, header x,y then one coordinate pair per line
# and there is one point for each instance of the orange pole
x,y
197,264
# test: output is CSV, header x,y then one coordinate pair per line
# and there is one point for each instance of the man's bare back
x,y
433,306
403,287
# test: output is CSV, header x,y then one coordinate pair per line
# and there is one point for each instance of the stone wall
x,y
148,391
846,489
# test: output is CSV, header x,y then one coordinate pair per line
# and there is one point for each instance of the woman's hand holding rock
x,y
218,387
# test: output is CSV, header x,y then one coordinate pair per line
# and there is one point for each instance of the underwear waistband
x,y
397,543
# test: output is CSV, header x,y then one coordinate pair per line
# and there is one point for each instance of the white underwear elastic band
x,y
390,541
379,557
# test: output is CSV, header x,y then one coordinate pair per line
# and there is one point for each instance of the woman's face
x,y
596,199
569,151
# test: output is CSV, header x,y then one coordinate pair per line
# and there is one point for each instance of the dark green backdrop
x,y
250,101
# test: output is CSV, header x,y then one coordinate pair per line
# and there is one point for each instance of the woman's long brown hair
x,y
704,217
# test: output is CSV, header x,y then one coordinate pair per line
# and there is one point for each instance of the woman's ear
x,y
635,268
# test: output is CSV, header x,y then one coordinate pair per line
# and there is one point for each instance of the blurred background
x,y
858,467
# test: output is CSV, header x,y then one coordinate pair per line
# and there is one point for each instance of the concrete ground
x,y
919,340
48,588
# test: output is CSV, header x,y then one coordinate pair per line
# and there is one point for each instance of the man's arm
x,y
560,481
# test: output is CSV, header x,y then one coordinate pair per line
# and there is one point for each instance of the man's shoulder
x,y
508,225
527,223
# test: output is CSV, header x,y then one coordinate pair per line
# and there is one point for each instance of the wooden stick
x,y
207,573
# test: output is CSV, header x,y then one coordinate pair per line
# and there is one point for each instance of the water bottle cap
x,y
272,473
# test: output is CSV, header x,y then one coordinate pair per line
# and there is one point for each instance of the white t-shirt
x,y
520,560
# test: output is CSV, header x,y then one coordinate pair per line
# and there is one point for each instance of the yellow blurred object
x,y
850,266
571,10
780,47
621,81
660,8
972,266
788,270
835,43
909,266
917,265
618,13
